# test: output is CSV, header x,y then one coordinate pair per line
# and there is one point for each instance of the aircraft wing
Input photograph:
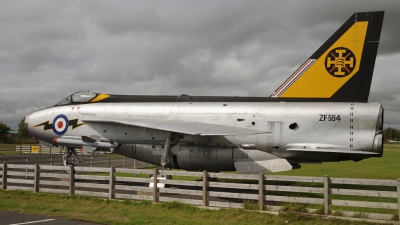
x,y
184,127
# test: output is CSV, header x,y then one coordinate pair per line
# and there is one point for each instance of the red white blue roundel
x,y
60,124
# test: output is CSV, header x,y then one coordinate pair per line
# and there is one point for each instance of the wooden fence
x,y
38,149
95,160
31,149
324,195
52,156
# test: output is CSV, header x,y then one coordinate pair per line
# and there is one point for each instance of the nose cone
x,y
26,124
37,126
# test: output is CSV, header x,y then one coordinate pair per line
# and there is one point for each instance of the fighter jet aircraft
x,y
319,114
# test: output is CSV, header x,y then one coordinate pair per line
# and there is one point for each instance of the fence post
x,y
205,188
20,149
91,160
155,189
36,179
135,164
326,195
109,164
398,197
4,176
124,161
111,193
50,151
51,159
1,161
30,149
71,180
40,149
27,163
261,191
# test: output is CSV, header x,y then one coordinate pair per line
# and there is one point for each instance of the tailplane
x,y
341,69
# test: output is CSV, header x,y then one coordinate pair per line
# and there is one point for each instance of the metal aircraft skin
x,y
320,114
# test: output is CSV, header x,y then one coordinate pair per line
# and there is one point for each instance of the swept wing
x,y
184,127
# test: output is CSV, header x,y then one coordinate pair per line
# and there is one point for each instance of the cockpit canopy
x,y
78,98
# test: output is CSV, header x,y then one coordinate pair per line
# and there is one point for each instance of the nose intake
x,y
26,124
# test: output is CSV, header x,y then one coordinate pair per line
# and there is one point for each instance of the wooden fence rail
x,y
45,155
94,160
30,149
264,192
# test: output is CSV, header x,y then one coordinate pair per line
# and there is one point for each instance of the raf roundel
x,y
60,124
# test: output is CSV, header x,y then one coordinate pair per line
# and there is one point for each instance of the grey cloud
x,y
50,49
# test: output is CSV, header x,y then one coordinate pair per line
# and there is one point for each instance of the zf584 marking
x,y
326,117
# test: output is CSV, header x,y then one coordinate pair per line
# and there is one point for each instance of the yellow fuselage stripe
x,y
100,97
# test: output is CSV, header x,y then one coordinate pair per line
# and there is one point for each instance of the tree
x,y
22,130
4,132
391,134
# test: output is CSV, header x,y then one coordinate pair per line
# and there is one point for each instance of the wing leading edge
x,y
184,127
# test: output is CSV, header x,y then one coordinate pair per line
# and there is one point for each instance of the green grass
x,y
6,152
386,167
144,212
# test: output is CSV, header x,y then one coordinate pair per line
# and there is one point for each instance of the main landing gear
x,y
171,140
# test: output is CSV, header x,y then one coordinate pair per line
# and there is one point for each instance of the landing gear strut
x,y
171,140
68,153
167,152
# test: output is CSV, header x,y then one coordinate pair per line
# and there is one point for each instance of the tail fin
x,y
341,69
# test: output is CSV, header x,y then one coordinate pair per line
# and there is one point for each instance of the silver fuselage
x,y
354,126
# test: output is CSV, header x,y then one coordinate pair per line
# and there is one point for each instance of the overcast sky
x,y
50,49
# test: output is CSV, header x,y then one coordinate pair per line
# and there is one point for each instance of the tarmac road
x,y
12,218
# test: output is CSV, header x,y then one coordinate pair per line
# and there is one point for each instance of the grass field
x,y
4,152
128,212
386,167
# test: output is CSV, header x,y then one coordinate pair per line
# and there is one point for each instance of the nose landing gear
x,y
68,153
